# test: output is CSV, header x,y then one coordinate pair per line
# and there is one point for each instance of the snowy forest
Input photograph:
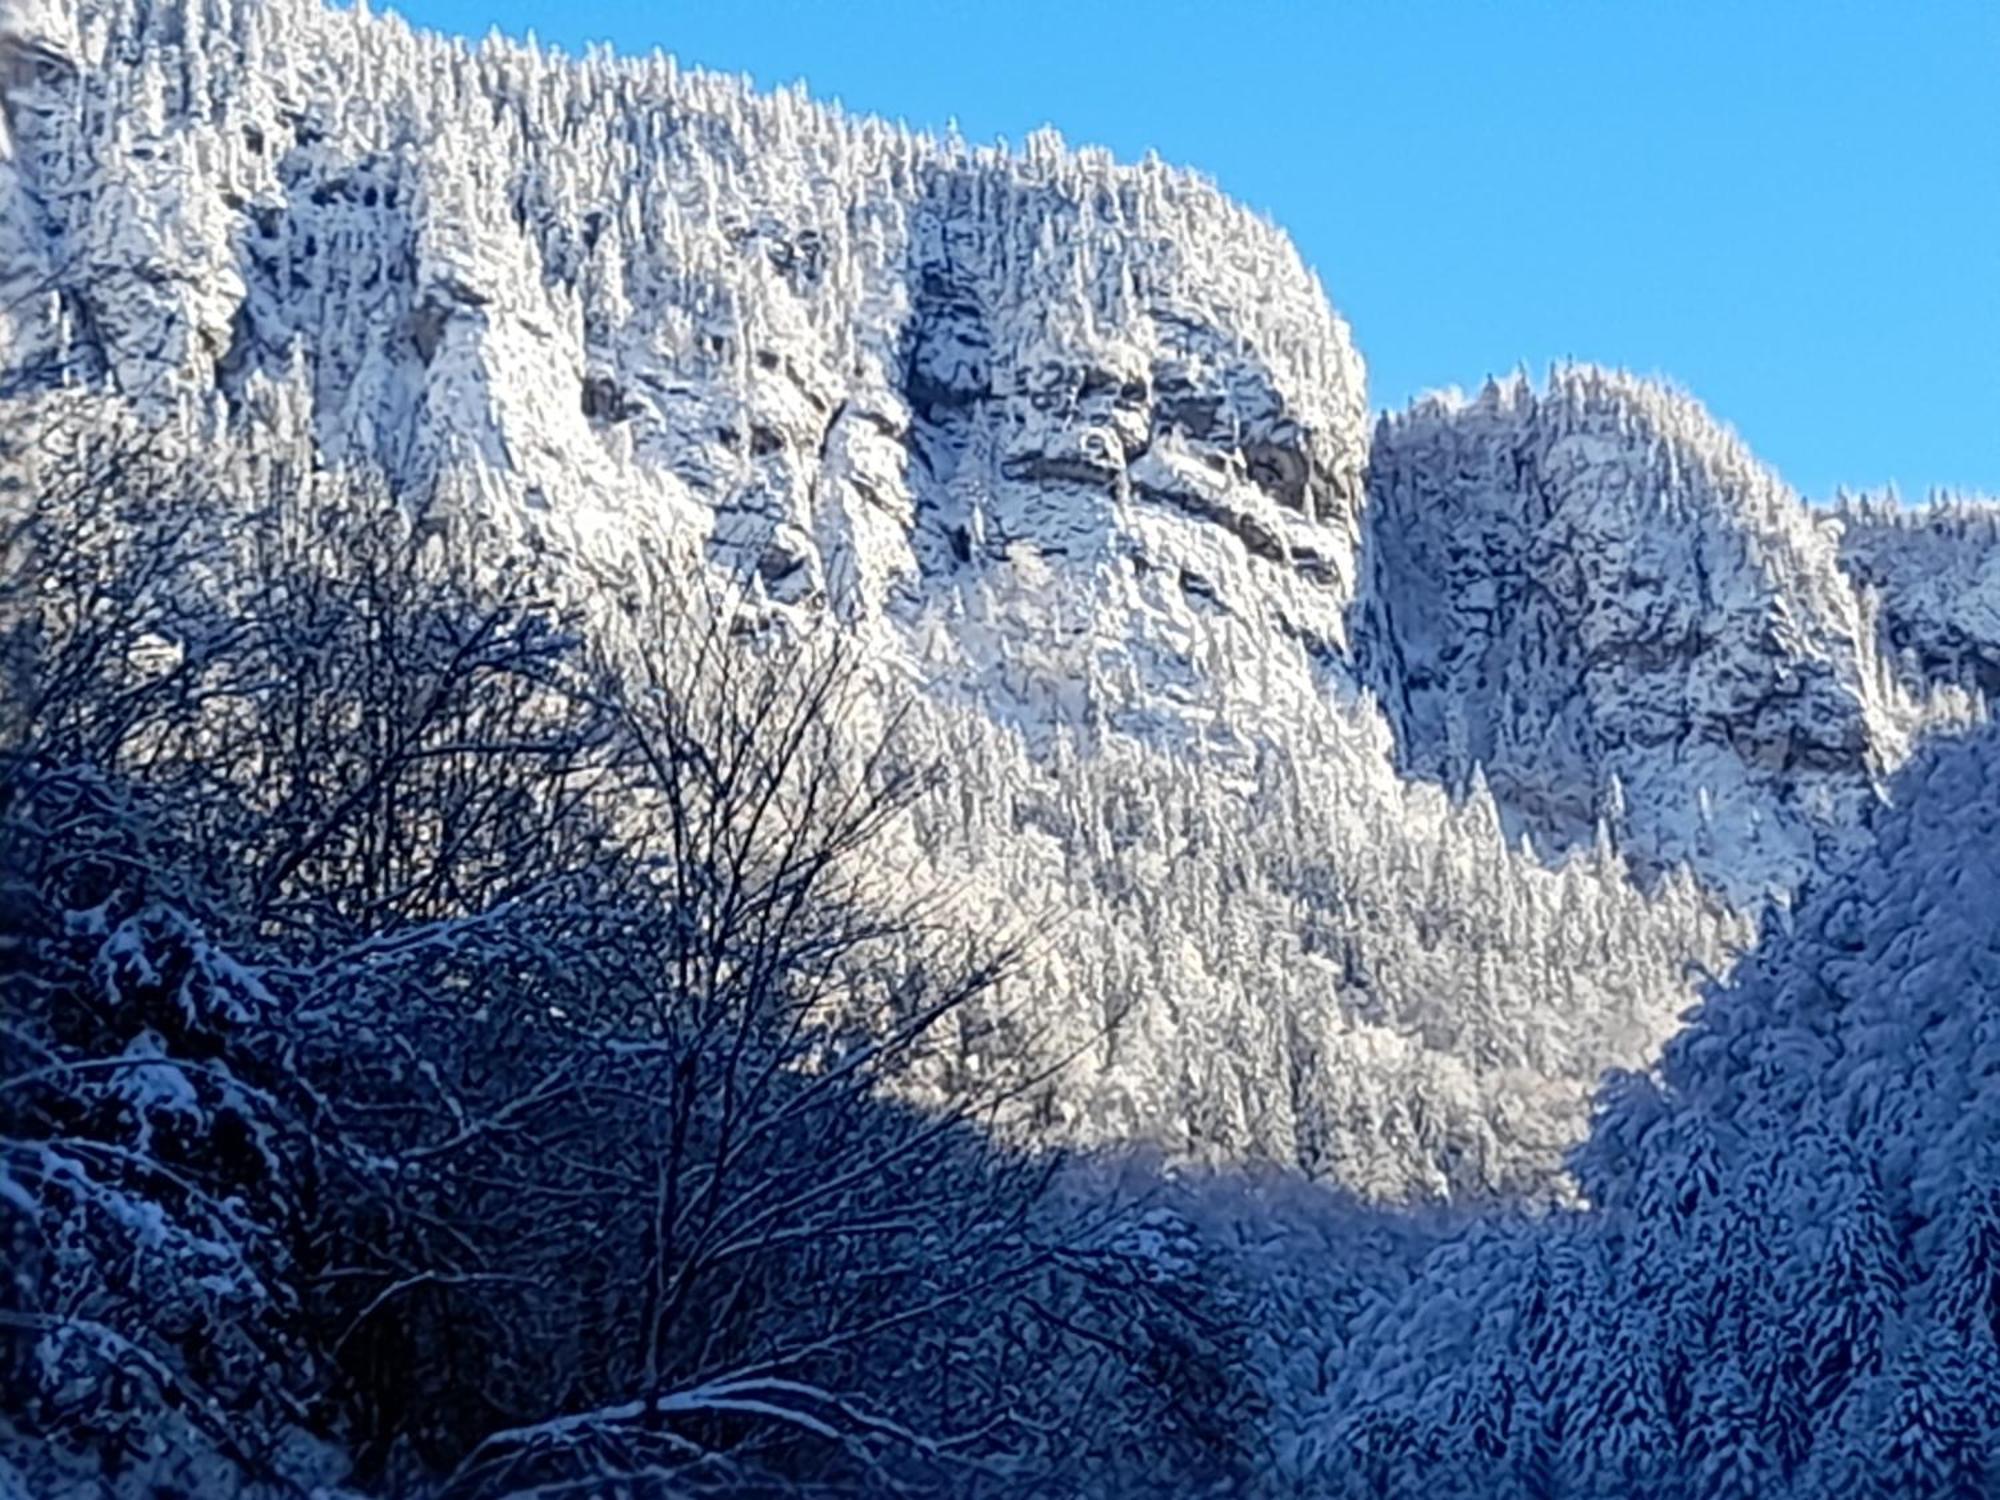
x,y
700,797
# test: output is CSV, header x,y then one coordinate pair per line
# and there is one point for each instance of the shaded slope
x,y
1791,1280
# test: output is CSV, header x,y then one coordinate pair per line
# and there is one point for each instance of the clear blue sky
x,y
1791,208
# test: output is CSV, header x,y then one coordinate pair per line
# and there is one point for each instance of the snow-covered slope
x,y
1081,451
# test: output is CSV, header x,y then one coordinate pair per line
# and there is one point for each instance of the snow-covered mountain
x,y
1395,780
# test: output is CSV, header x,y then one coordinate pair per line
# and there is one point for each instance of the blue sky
x,y
1792,209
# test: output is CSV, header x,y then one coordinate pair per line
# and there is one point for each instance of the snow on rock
x,y
1933,574
1598,594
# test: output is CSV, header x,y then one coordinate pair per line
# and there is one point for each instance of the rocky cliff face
x,y
1083,451
815,336
1932,576
1606,601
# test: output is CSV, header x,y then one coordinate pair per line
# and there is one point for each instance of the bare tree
x,y
568,1006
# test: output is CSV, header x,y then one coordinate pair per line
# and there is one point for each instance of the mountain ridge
x,y
1080,450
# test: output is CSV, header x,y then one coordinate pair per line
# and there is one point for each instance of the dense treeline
x,y
1788,1280
451,1037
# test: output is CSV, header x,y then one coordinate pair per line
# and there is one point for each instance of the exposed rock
x,y
1596,585
1932,574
